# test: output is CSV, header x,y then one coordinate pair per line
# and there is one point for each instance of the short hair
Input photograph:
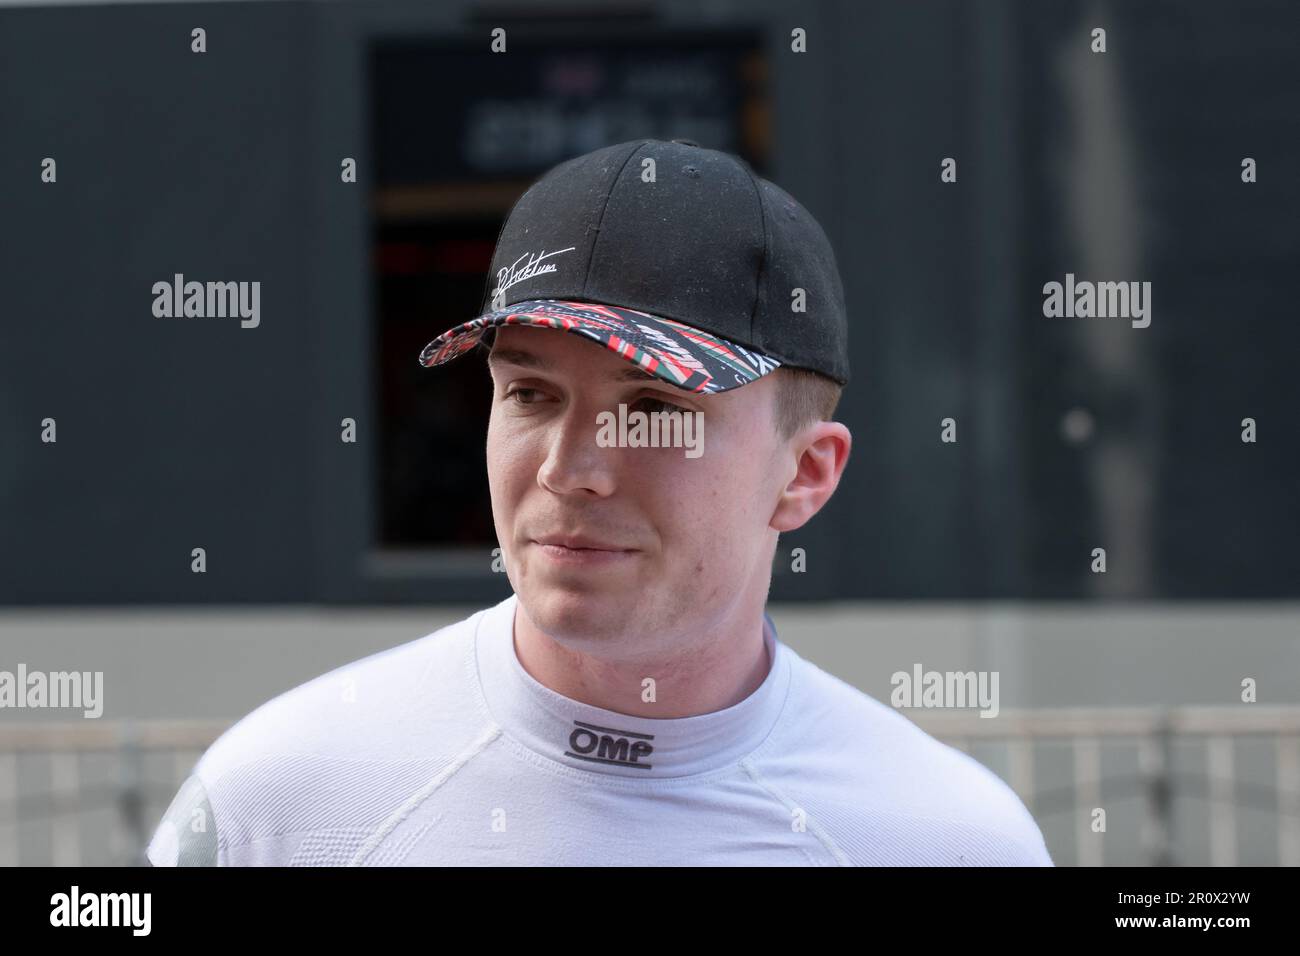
x,y
803,397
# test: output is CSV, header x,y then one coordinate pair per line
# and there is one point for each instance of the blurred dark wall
x,y
1073,434
172,433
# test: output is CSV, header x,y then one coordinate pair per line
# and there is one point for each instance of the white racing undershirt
x,y
591,738
446,752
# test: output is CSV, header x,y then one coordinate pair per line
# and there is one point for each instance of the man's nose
x,y
575,462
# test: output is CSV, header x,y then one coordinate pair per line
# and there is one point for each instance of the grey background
x,y
175,434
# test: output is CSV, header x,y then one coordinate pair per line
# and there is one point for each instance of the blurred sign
x,y
445,113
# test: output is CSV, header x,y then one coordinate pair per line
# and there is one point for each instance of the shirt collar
x,y
600,741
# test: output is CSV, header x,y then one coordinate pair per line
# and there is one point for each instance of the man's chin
x,y
575,615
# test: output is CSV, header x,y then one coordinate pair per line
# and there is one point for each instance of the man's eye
x,y
663,405
517,391
530,398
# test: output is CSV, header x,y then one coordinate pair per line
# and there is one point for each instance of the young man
x,y
630,703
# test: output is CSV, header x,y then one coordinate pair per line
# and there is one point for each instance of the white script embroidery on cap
x,y
515,273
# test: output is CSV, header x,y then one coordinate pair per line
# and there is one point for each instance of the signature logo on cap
x,y
515,272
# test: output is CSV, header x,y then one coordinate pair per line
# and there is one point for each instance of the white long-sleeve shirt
x,y
445,751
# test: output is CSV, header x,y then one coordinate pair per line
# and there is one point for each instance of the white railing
x,y
1152,733
43,820
62,802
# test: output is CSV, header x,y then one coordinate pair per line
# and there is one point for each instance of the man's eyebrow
x,y
499,356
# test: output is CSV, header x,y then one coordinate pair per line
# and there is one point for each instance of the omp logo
x,y
607,745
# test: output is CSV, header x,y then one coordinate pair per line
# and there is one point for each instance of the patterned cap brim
x,y
691,359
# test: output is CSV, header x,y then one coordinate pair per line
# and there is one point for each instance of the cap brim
x,y
683,356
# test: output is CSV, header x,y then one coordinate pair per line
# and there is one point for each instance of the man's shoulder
x,y
328,755
893,793
352,710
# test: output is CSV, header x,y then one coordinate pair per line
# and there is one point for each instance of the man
x,y
630,702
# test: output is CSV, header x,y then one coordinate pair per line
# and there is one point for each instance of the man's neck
x,y
702,680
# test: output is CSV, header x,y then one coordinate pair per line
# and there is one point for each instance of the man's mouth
x,y
582,551
580,543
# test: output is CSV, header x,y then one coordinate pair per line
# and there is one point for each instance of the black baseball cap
x,y
679,258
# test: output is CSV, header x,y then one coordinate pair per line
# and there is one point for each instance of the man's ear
x,y
817,475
